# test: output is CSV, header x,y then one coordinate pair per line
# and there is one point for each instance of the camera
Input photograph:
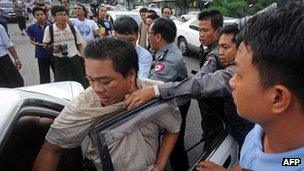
x,y
64,49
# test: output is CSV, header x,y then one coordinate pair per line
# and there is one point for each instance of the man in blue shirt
x,y
126,28
268,89
9,75
35,32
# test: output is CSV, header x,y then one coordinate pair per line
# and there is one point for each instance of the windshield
x,y
6,5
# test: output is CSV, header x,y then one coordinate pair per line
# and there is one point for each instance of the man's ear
x,y
281,99
132,75
218,32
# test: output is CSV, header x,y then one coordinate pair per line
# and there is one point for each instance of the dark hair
x,y
35,9
84,9
162,10
233,30
122,54
214,16
153,16
143,10
166,28
278,48
125,25
151,11
58,8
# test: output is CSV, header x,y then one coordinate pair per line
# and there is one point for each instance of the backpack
x,y
52,34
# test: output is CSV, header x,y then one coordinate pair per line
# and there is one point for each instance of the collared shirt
x,y
5,42
170,65
144,62
85,27
36,32
253,156
64,36
135,151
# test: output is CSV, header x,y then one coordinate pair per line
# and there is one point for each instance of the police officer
x,y
170,66
209,23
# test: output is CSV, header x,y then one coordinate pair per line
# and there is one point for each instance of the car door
x,y
26,126
194,35
124,123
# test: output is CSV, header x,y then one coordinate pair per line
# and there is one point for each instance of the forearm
x,y
48,158
167,145
13,52
211,85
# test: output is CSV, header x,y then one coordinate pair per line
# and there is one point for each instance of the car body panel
x,y
11,100
117,14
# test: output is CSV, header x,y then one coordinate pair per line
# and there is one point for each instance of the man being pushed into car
x,y
111,68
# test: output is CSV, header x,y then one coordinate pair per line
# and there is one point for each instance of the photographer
x,y
65,42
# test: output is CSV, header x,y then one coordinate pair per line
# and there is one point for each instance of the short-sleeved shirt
x,y
254,158
5,42
104,27
77,119
144,62
64,37
36,32
86,28
169,65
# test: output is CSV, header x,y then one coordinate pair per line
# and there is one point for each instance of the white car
x,y
26,114
189,15
117,14
187,36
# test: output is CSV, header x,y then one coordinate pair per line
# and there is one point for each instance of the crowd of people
x,y
250,78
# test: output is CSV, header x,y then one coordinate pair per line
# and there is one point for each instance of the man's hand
x,y
209,166
138,97
18,64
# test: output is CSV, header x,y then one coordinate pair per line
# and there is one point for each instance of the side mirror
x,y
193,27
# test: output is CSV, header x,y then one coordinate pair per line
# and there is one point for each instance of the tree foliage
x,y
240,8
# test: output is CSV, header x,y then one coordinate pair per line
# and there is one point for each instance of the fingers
x,y
208,165
132,101
18,65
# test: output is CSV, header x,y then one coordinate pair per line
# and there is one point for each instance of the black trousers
x,y
45,64
21,22
9,75
179,159
70,69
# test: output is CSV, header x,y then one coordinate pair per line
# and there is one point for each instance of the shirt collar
x,y
57,29
164,49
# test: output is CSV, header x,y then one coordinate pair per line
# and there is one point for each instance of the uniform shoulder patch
x,y
207,62
159,67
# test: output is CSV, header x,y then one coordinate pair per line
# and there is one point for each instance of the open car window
x,y
116,132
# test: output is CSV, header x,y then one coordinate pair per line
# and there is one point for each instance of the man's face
x,y
227,48
40,16
131,38
143,16
102,12
149,22
79,11
61,17
154,39
166,13
109,85
207,35
251,100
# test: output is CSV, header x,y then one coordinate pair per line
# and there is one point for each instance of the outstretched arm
x,y
48,157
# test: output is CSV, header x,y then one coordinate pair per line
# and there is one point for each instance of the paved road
x,y
30,74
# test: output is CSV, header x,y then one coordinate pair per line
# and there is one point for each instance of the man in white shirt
x,y
87,28
66,44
